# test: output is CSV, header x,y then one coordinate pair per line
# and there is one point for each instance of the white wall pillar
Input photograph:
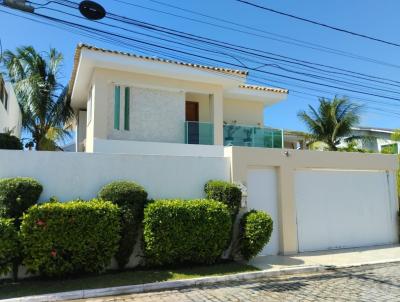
x,y
218,117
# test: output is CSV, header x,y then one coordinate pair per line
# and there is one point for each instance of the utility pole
x,y
19,5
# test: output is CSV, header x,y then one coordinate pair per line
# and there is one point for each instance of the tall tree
x,y
44,102
331,121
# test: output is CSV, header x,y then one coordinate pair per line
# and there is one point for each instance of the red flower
x,y
40,222
53,253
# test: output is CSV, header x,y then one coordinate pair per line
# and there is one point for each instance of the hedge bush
x,y
255,232
130,197
179,231
225,192
17,195
9,247
11,142
60,239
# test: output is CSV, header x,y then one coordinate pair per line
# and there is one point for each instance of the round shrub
x,y
17,195
9,247
256,230
130,197
11,142
225,192
179,231
60,239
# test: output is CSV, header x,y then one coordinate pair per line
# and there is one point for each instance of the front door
x,y
192,119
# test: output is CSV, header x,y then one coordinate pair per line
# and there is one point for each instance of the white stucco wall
x,y
11,118
70,175
244,112
155,148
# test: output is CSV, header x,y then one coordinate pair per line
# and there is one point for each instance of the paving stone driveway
x,y
373,283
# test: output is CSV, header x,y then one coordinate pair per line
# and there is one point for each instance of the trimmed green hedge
x,y
179,231
17,195
10,142
225,192
255,232
131,198
60,239
9,247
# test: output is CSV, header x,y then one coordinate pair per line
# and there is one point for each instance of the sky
x,y
370,17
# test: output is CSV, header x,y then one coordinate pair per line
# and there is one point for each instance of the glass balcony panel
x,y
199,133
252,136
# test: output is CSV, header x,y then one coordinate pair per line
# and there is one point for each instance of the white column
x,y
217,117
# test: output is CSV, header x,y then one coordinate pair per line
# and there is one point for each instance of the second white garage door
x,y
340,209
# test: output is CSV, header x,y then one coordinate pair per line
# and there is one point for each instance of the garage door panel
x,y
262,195
337,209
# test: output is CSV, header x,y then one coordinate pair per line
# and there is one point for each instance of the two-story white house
x,y
126,103
10,113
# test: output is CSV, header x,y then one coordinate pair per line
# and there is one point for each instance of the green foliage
x,y
389,149
44,102
331,121
226,193
9,247
60,239
179,231
11,142
17,195
131,198
255,232
352,147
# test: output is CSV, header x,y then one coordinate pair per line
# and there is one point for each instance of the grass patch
x,y
35,286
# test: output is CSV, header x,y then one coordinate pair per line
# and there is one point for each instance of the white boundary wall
x,y
146,148
69,175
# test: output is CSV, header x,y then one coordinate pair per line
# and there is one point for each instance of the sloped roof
x,y
264,88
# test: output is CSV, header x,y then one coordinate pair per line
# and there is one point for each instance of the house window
x,y
126,113
117,106
5,96
89,107
2,92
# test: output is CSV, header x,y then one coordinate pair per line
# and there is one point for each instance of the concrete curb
x,y
148,287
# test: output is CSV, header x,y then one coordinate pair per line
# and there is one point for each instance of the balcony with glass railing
x,y
202,133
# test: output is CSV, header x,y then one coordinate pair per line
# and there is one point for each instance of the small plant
x,y
225,192
255,231
131,198
9,246
17,195
179,231
10,142
61,239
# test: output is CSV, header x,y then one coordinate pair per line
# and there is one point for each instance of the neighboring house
x,y
10,113
129,103
375,139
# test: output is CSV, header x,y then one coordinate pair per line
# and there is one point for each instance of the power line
x,y
319,23
239,48
96,30
291,41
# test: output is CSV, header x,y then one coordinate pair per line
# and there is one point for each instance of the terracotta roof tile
x,y
264,88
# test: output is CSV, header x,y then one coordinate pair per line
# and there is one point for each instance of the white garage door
x,y
262,195
339,209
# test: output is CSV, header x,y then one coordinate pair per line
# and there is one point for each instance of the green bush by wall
x,y
9,245
60,239
11,142
226,193
17,195
130,197
179,231
255,231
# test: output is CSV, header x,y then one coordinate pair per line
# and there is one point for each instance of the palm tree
x,y
44,102
332,121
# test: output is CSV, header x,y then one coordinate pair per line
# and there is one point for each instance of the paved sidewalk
x,y
367,283
338,258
